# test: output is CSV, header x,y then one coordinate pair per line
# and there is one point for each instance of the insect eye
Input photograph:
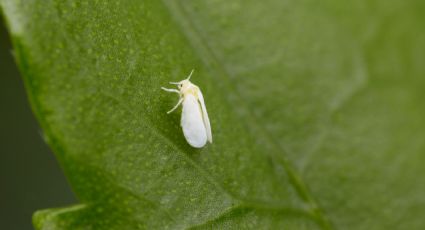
x,y
180,85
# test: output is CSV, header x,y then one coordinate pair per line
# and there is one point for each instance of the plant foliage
x,y
316,109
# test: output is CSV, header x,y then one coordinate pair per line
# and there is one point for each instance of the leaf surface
x,y
316,111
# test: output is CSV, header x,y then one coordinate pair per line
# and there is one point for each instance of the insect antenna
x,y
190,75
176,83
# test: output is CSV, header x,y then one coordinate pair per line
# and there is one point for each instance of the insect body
x,y
194,120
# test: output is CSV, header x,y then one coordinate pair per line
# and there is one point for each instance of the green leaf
x,y
316,110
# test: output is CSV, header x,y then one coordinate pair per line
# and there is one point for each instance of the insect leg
x,y
177,105
171,90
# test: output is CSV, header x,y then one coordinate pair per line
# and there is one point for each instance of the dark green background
x,y
30,177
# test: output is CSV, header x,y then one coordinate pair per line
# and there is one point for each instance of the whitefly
x,y
194,119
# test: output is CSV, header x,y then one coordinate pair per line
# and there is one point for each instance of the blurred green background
x,y
30,177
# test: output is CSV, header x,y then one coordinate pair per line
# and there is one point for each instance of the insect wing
x,y
205,116
192,122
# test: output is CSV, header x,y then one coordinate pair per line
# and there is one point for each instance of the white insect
x,y
194,120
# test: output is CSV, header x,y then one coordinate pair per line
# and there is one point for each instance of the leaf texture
x,y
315,110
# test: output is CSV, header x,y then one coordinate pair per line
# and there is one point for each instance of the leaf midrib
x,y
200,44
